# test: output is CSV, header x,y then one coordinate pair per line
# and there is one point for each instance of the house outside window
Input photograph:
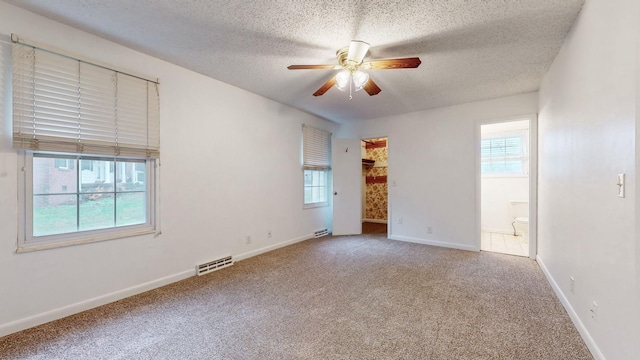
x,y
63,164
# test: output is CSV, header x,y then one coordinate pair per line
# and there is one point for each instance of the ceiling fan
x,y
350,62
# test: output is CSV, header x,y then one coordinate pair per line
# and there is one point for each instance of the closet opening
x,y
375,195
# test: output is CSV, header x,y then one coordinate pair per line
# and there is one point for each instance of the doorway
x,y
507,194
375,191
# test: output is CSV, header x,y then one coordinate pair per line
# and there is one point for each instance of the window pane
x,y
99,178
131,176
315,186
51,179
131,208
86,165
322,181
514,167
96,211
497,147
83,194
498,167
54,214
322,194
307,195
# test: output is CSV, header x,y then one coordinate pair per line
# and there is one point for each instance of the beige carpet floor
x,y
353,297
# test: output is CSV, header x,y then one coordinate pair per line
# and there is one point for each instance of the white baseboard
x,y
377,221
593,347
59,313
265,249
435,243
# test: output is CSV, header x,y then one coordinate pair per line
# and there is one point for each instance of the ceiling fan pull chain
x,y
350,84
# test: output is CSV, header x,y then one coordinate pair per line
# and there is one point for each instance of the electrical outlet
x,y
248,240
572,284
429,230
594,310
269,234
399,220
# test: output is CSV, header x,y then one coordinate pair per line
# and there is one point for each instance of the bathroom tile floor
x,y
504,243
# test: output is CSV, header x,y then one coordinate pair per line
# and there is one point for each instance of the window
x,y
89,139
315,187
316,164
74,201
505,154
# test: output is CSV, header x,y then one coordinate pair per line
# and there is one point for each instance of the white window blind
x,y
504,155
64,104
316,149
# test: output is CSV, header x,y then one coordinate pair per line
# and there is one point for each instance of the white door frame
x,y
533,178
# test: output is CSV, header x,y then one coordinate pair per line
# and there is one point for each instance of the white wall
x,y
496,196
432,162
230,168
587,134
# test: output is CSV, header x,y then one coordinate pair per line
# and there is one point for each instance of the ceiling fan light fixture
x,y
342,80
360,79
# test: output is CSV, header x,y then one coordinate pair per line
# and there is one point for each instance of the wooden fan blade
x,y
403,63
371,87
323,89
312,67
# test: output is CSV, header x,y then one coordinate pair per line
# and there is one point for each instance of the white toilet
x,y
520,213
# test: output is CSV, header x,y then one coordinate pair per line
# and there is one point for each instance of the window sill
x,y
75,239
495,176
315,205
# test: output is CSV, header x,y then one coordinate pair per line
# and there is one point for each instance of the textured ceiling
x,y
470,49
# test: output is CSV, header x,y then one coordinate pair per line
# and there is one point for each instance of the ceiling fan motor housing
x,y
350,57
349,65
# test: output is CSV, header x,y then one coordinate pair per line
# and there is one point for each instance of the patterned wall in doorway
x,y
376,180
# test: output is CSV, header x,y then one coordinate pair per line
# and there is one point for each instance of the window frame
x,y
26,242
524,159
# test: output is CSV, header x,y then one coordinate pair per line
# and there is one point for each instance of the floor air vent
x,y
320,233
213,265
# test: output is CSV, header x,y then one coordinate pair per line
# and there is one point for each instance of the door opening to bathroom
x,y
374,185
505,187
